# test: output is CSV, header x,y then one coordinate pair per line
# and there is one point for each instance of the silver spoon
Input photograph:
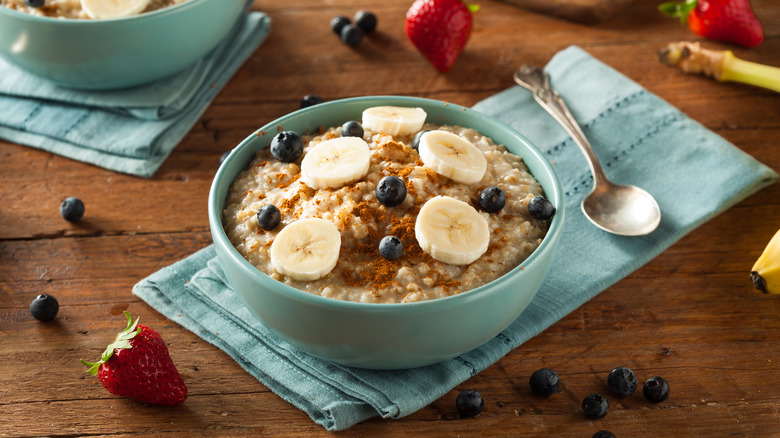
x,y
620,209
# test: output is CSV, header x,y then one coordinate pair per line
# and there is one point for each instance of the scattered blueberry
x,y
540,208
656,389
72,209
287,146
603,434
622,382
492,199
391,248
352,129
416,141
351,35
338,23
391,191
223,156
268,217
544,382
366,21
469,403
310,100
44,307
595,406
35,3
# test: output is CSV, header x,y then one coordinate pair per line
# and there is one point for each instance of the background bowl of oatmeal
x,y
115,53
385,336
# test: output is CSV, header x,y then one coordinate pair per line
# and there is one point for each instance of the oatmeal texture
x,y
361,274
72,8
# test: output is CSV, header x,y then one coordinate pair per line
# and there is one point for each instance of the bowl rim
x,y
91,22
220,239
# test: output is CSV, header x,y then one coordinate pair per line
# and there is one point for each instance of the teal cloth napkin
x,y
131,130
694,174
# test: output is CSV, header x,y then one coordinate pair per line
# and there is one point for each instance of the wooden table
x,y
691,315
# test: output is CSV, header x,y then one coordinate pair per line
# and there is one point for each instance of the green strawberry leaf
x,y
122,341
678,10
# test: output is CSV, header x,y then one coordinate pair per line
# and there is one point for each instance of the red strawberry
x,y
732,21
137,365
440,29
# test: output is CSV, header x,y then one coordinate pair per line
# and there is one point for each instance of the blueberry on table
x,y
416,141
34,3
391,248
595,406
268,217
352,129
72,209
469,403
540,208
44,307
544,382
351,35
656,389
337,23
287,146
366,21
492,199
603,434
310,100
621,382
391,191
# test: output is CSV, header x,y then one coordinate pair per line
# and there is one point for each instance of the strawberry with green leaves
x,y
137,365
731,21
440,29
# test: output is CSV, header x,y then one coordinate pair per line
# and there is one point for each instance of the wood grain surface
x,y
690,315
581,11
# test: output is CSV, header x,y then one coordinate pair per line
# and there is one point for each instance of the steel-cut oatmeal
x,y
363,273
74,8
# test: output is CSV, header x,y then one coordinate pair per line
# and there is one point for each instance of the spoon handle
x,y
538,81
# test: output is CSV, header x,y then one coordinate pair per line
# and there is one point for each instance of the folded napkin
x,y
131,130
642,140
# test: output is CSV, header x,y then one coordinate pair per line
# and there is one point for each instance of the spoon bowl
x,y
616,208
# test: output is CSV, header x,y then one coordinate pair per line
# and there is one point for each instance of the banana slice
x,y
451,231
107,9
452,156
335,162
766,271
394,120
306,249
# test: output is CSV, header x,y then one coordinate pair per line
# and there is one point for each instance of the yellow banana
x,y
766,271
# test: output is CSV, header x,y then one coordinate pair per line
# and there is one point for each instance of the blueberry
x,y
416,141
35,3
595,406
44,307
223,156
351,35
469,403
310,100
391,191
603,434
338,23
72,209
621,382
544,382
352,129
656,389
540,208
391,248
492,199
366,21
287,146
268,217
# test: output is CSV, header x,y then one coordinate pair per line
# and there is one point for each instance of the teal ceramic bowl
x,y
385,336
108,54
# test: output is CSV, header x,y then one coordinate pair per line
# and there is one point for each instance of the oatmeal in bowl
x,y
87,9
385,232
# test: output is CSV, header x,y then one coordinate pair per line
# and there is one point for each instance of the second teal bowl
x,y
385,336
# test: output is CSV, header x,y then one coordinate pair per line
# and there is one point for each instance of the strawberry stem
x,y
678,10
122,341
472,7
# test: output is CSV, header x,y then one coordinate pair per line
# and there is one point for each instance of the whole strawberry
x,y
137,365
731,21
440,29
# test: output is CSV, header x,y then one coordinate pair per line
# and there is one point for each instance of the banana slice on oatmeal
x,y
108,9
394,120
453,156
451,231
335,162
306,249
